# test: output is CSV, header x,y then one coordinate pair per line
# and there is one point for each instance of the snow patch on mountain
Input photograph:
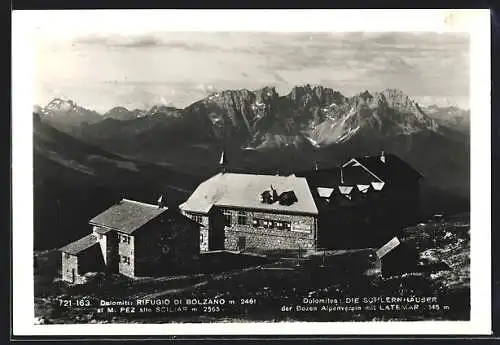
x,y
313,142
347,135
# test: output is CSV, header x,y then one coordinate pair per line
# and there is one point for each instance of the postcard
x,y
312,172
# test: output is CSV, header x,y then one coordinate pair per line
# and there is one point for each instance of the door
x,y
241,243
73,275
216,232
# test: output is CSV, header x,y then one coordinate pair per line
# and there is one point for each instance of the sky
x,y
101,70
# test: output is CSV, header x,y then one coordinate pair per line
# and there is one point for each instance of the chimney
x,y
223,162
161,201
382,157
275,194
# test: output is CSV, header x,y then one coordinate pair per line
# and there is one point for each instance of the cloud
x,y
334,50
143,41
189,66
206,88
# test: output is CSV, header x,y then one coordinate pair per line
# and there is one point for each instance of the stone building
x,y
240,211
365,201
134,239
361,203
80,257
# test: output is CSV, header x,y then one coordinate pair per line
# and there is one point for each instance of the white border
x,y
475,22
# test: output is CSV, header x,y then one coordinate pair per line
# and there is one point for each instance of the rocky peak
x,y
60,104
227,98
163,110
327,96
318,95
366,96
396,99
119,109
266,95
122,113
303,95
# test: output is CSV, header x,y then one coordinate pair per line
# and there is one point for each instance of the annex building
x,y
134,239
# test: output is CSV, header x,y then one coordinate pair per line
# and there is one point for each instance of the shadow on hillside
x,y
214,262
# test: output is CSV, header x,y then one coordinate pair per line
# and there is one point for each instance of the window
x,y
126,260
66,255
201,238
125,239
242,218
281,225
227,217
197,218
271,224
227,220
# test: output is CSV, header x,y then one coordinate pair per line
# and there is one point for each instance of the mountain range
x,y
304,114
450,116
262,130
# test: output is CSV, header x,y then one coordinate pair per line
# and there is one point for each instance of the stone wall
x,y
265,238
203,239
126,250
204,221
89,260
69,262
112,257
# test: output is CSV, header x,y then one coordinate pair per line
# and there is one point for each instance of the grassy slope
x,y
278,281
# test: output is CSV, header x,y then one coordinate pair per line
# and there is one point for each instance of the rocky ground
x,y
282,285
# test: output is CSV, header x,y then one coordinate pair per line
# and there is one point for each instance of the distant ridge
x,y
282,132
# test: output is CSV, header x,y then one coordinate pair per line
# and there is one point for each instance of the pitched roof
x,y
102,231
127,215
393,169
244,190
365,170
80,245
349,176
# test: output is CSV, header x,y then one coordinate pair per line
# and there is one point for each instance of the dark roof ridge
x,y
126,216
80,245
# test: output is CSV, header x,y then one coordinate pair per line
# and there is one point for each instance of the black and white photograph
x,y
235,176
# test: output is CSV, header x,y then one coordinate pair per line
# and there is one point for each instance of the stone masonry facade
x,y
126,254
69,263
301,232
